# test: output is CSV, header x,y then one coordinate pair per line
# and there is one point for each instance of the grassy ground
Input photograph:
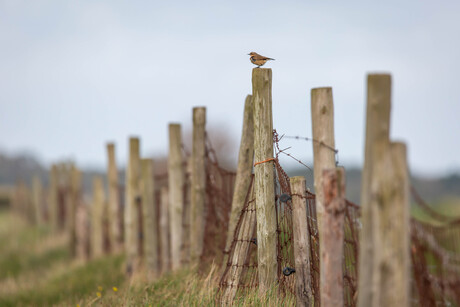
x,y
36,270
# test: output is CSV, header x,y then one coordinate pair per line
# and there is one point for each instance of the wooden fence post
x,y
132,196
333,236
240,252
97,243
264,184
176,195
377,128
37,199
322,119
114,209
390,203
164,231
186,214
244,169
53,198
198,184
73,198
150,220
384,246
304,293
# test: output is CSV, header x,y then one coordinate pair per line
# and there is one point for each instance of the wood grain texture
x,y
377,128
198,184
301,239
244,169
322,119
333,236
176,198
264,178
150,230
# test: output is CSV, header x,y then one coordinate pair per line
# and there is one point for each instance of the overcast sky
x,y
76,74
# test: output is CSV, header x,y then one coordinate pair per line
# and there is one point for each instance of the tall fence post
x,y
333,236
304,293
132,196
37,199
53,198
264,184
244,169
322,119
377,128
384,243
114,209
150,230
97,242
164,231
198,184
176,195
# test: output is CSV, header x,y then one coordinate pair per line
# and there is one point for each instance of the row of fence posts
x,y
175,237
384,267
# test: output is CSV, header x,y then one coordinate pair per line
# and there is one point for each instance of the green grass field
x,y
36,270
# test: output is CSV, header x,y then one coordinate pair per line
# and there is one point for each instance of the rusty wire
x,y
285,256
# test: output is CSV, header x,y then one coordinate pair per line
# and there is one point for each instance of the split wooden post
x,y
132,196
198,184
333,236
164,231
304,293
244,169
37,200
150,220
384,242
240,251
264,183
97,242
53,198
176,195
114,209
73,199
322,119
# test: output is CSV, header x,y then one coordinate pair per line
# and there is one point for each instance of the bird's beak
x,y
249,54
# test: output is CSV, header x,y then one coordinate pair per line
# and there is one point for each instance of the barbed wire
x,y
303,138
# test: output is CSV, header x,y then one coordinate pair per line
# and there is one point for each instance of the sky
x,y
77,74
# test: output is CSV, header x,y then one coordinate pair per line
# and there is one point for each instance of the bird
x,y
258,59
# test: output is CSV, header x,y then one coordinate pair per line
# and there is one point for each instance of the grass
x,y
36,270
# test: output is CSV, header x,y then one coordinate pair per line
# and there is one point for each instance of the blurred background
x,y
75,75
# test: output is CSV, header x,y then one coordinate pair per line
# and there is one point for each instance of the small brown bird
x,y
258,59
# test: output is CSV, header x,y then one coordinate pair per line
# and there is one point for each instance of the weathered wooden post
x,y
186,214
384,243
377,127
97,244
132,195
176,196
150,220
73,199
198,184
240,252
322,119
37,200
164,231
304,293
113,200
264,183
244,169
53,198
333,236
